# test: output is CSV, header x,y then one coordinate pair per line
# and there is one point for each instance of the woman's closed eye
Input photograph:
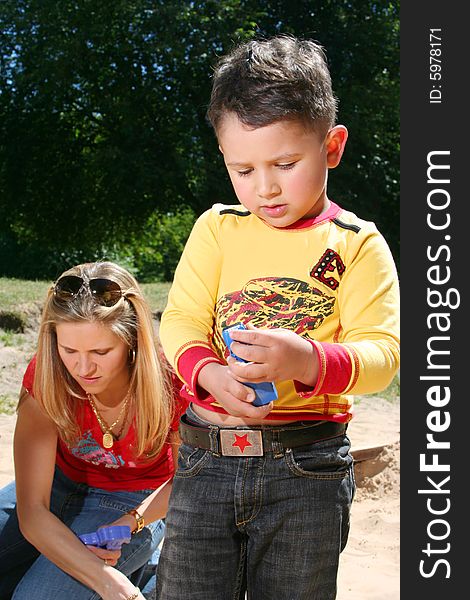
x,y
98,352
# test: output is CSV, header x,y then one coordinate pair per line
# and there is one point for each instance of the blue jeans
x,y
269,526
25,574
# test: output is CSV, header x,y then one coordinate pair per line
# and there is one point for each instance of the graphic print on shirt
x,y
330,262
273,302
89,450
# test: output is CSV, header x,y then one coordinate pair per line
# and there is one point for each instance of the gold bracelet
x,y
134,595
139,520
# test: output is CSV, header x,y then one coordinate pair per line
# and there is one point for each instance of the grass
x,y
8,338
391,393
11,339
156,294
8,404
14,292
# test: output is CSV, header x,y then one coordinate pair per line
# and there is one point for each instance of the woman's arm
x,y
152,508
155,506
34,445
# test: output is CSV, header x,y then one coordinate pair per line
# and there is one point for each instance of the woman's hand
x,y
109,557
116,586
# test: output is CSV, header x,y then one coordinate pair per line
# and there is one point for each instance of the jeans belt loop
x,y
213,437
277,447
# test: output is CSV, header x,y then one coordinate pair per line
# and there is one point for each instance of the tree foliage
x,y
102,116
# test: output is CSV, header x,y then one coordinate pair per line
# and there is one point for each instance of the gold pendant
x,y
108,440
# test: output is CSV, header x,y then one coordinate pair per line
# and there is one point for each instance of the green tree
x,y
102,116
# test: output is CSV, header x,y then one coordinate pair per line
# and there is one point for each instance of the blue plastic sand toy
x,y
111,537
266,391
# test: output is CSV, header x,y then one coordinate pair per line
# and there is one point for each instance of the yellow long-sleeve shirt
x,y
330,279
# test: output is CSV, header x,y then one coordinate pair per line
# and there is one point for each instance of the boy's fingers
x,y
249,411
245,394
251,372
263,411
249,337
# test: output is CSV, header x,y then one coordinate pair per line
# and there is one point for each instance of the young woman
x,y
94,443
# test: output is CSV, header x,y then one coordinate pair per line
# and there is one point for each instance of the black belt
x,y
245,441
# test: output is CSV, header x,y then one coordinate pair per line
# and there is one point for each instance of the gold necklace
x,y
123,424
108,438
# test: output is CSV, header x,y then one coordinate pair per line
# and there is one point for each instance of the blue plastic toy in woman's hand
x,y
266,391
111,537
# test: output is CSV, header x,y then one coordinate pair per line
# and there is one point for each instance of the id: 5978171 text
x,y
435,66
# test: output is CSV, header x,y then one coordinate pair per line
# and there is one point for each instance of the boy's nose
x,y
267,187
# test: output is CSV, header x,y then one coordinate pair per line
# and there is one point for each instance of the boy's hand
x,y
273,355
235,397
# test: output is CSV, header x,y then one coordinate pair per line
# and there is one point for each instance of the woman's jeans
x,y
27,575
271,526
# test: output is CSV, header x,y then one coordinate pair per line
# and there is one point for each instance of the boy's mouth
x,y
275,210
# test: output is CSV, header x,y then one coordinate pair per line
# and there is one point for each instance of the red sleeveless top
x,y
116,468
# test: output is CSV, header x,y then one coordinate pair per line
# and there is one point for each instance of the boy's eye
x,y
286,166
244,173
101,352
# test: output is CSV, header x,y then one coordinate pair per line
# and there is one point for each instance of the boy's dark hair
x,y
265,81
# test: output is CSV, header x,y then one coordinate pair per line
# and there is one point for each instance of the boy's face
x,y
279,171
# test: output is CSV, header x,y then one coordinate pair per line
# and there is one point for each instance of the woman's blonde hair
x,y
131,320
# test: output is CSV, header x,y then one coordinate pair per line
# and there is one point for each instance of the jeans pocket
x,y
327,460
191,460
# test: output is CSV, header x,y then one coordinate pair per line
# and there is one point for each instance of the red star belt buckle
x,y
241,442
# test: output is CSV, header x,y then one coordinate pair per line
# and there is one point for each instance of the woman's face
x,y
95,357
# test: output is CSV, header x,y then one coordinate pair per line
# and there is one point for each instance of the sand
x,y
369,567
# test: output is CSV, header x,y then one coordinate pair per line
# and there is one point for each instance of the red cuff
x,y
334,375
190,362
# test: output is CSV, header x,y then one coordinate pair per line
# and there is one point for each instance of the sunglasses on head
x,y
104,291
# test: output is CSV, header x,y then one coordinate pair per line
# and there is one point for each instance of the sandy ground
x,y
369,566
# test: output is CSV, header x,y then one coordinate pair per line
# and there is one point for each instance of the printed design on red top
x,y
330,262
89,450
273,302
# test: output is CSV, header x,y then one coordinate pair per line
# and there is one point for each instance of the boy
x,y
262,496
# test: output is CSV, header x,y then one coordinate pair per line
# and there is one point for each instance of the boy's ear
x,y
335,142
